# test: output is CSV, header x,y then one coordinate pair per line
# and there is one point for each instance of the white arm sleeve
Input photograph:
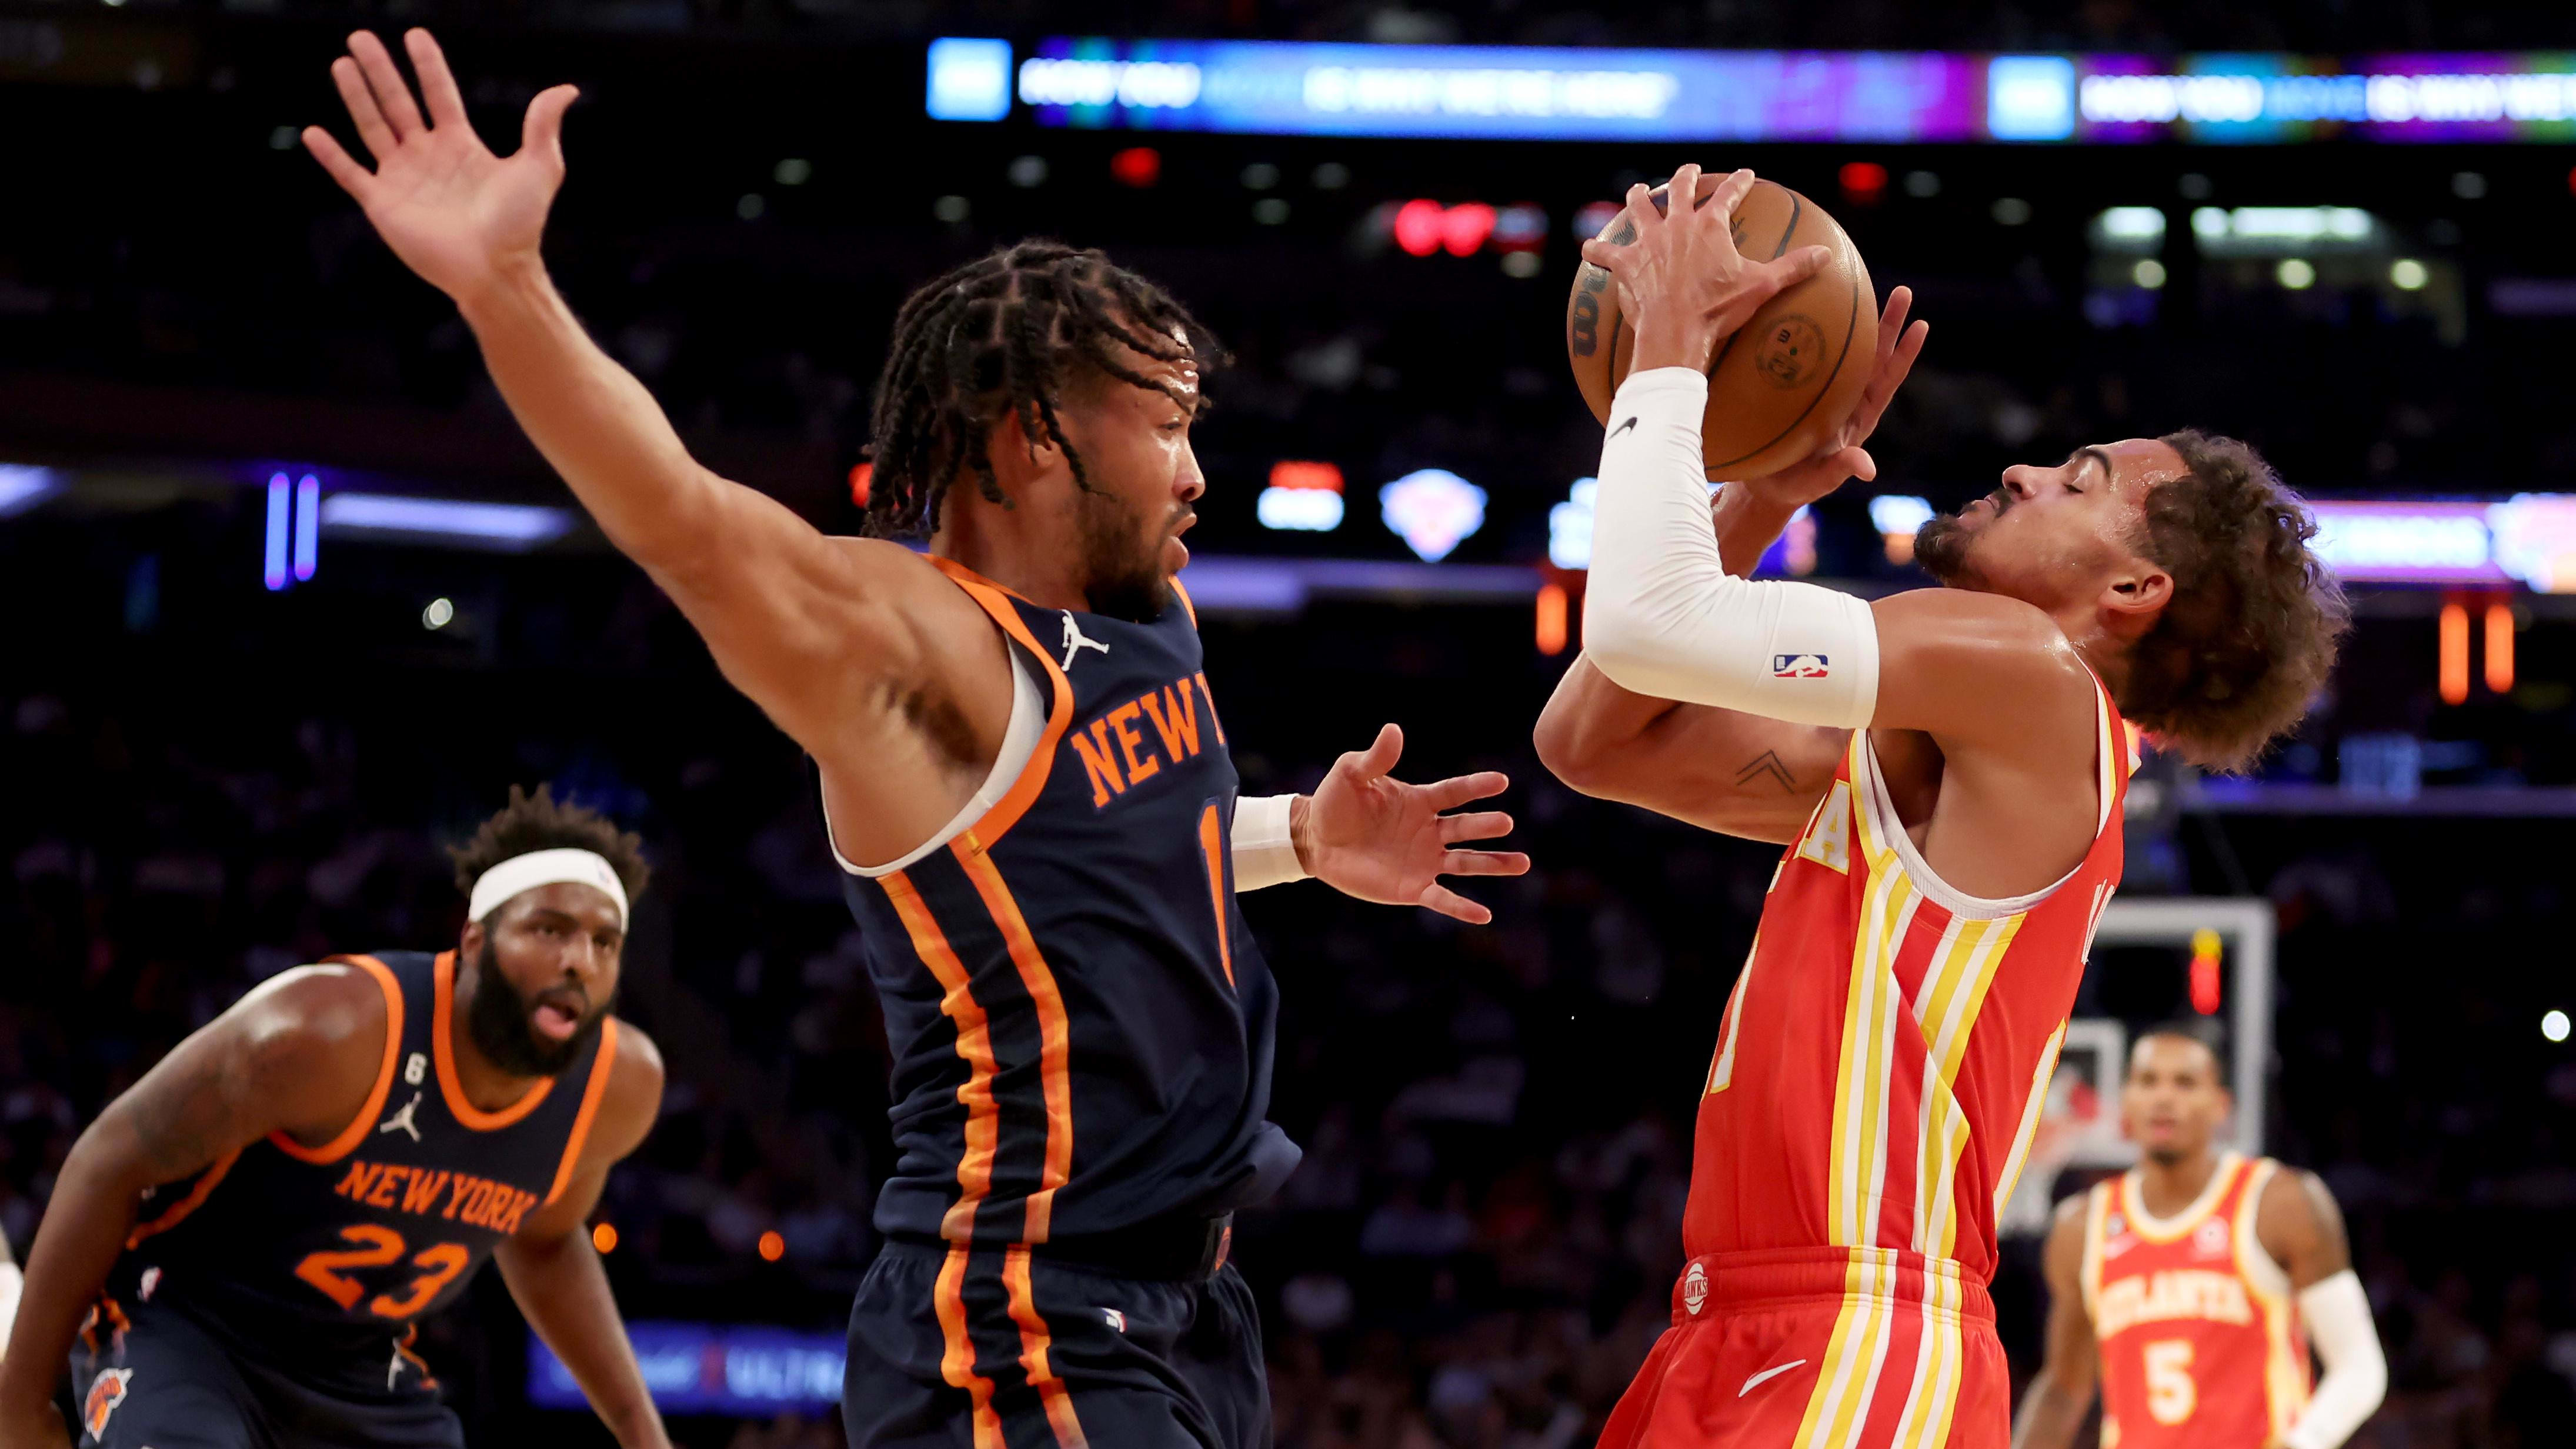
x,y
2337,1313
1661,617
1264,855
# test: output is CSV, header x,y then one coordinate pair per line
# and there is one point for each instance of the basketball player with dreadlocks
x,y
238,1250
1024,775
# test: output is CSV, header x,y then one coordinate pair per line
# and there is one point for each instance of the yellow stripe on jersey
x,y
1938,1364
1838,1407
2011,1175
1858,1175
1954,990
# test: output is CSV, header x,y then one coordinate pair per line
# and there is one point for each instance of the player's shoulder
x,y
2072,1212
2296,1207
631,1099
311,1020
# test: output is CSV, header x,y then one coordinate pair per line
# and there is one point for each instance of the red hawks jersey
x,y
1879,1072
2201,1342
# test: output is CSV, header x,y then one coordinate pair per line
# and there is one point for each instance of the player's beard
x,y
497,1023
1942,546
1120,579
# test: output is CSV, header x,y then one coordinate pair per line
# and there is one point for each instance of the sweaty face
x,y
2049,534
545,979
2173,1101
1135,447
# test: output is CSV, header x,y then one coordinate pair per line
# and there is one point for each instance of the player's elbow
x,y
1571,745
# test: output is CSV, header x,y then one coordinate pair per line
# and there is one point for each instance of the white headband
x,y
543,868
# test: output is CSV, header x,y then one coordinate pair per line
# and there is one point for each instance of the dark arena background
x,y
290,602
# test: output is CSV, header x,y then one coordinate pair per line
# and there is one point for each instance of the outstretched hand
x,y
455,213
1842,457
1369,835
1682,285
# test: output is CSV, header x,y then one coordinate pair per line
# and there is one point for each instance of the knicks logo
x,y
1694,1288
105,1393
1798,666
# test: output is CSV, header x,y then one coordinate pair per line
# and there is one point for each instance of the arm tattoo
x,y
1768,765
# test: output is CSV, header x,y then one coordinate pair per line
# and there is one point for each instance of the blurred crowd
x,y
1478,1248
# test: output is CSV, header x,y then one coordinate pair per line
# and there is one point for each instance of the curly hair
x,y
531,823
1004,336
2250,634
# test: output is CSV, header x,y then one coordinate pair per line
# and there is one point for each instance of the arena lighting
x,y
438,615
1422,227
970,80
273,556
308,507
23,486
603,1237
2554,1024
1898,517
2454,663
708,1368
1569,526
2129,229
2296,274
862,481
1306,497
2148,273
2283,231
1864,182
508,527
1433,510
1137,166
772,1246
2499,647
2408,275
1303,88
1593,218
1552,609
2207,951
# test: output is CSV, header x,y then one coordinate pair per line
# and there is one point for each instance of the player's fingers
x,y
1891,319
542,131
353,178
1857,463
393,93
1378,758
1722,203
372,130
1457,790
1799,265
437,83
1481,825
1485,862
1449,903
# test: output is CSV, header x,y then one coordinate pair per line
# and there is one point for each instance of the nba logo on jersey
x,y
1694,1288
2210,1239
1798,666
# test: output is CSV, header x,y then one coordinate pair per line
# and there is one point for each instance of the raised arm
x,y
1723,769
2053,1408
554,1272
298,1055
834,638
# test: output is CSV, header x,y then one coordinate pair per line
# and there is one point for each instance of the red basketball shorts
x,y
1821,1348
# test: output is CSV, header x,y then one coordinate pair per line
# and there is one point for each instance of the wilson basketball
x,y
1780,387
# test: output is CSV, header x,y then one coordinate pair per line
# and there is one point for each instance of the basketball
x,y
1779,388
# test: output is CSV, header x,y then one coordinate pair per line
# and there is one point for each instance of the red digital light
x,y
1464,228
1138,166
860,477
1322,477
1864,181
1419,227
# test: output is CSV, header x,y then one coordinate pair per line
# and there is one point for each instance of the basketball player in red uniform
x,y
1947,767
2195,1282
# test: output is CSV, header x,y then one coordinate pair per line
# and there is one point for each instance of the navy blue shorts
x,y
160,1380
1006,1351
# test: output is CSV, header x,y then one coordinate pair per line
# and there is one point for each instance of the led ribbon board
x,y
1297,88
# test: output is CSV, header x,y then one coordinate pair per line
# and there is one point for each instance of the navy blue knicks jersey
x,y
1081,1026
315,1260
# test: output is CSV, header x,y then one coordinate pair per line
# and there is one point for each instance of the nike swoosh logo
x,y
1766,1375
1614,432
